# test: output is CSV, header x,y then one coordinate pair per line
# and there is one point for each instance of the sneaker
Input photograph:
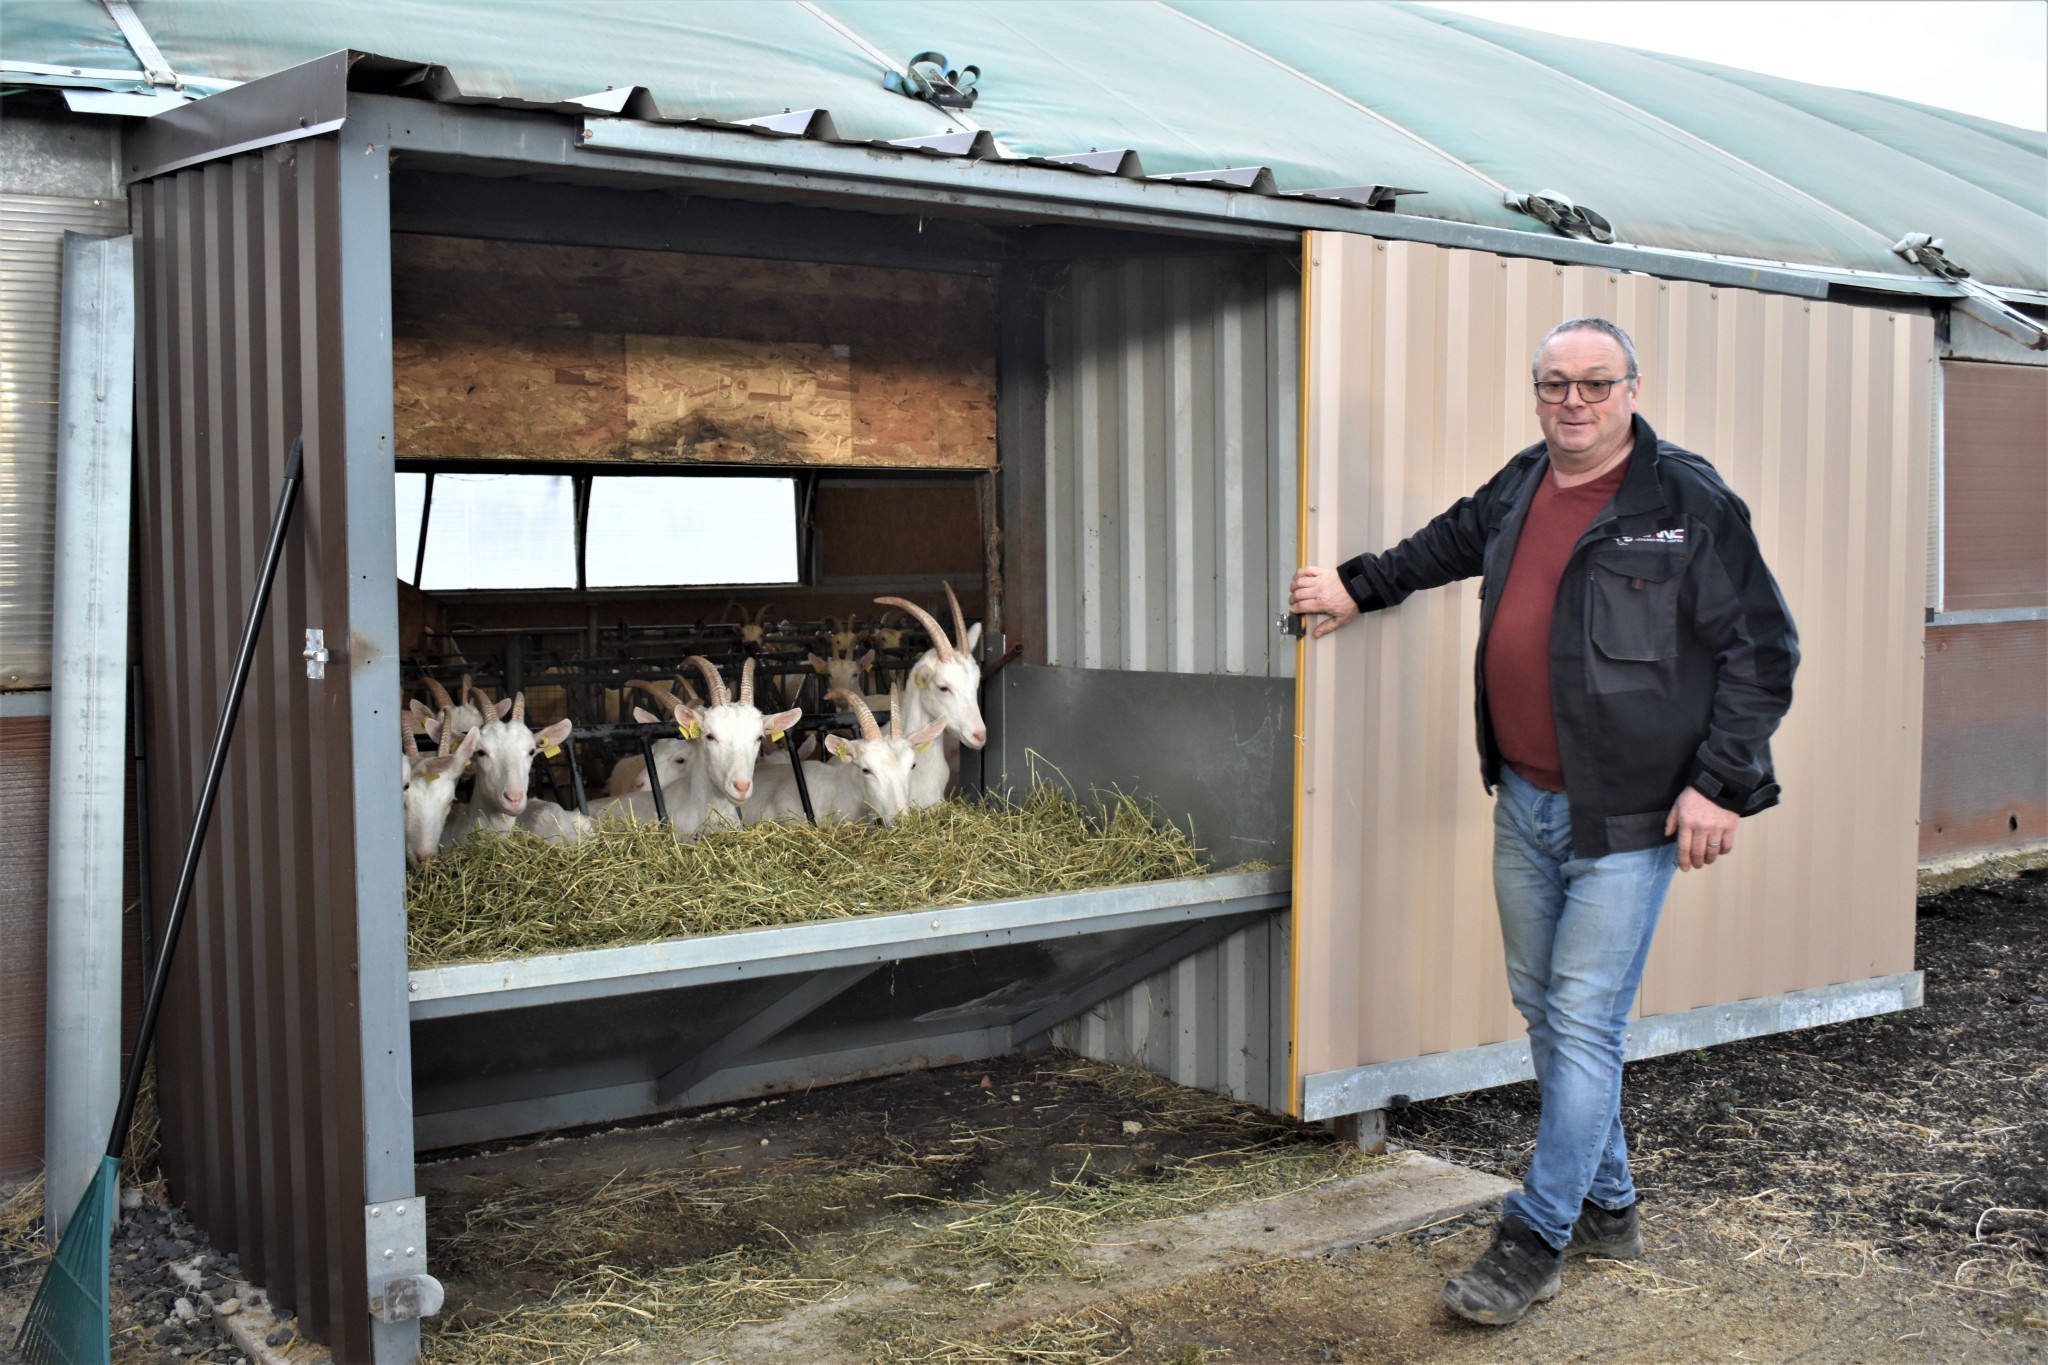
x,y
1519,1269
1615,1234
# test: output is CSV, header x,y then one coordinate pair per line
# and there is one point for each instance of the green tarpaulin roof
x,y
1677,154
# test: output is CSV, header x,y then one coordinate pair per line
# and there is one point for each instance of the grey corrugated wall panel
x,y
1171,443
259,1061
32,228
1216,1021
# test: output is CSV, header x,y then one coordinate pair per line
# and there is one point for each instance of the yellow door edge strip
x,y
1301,547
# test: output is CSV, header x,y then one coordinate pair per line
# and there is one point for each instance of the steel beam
x,y
784,1005
754,954
1124,975
1332,1094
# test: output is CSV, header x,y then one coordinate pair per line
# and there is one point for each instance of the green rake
x,y
70,1321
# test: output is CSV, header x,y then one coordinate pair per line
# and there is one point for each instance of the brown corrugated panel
x,y
24,897
1994,467
259,1067
1984,755
1417,375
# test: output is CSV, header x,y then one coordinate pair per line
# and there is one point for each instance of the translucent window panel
x,y
678,531
501,531
411,498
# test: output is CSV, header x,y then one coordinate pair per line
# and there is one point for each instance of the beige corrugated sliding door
x,y
1415,390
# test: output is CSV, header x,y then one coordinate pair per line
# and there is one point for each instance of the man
x,y
1634,658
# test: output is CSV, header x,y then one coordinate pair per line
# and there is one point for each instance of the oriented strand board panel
x,y
694,398
522,351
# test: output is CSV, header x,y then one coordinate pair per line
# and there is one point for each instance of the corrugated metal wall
x,y
1169,478
32,228
1994,487
1216,1020
1984,755
1818,414
259,1067
25,815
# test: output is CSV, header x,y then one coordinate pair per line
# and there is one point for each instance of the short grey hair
x,y
1600,325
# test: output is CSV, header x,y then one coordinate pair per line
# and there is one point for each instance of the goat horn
x,y
895,711
447,733
732,602
519,708
660,692
711,678
761,615
869,728
924,618
959,621
747,681
439,694
405,725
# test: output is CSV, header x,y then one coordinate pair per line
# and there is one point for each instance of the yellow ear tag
x,y
551,751
921,679
690,732
775,738
419,725
433,777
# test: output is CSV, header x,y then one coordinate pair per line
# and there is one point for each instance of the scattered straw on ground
x,y
21,1231
666,1260
633,883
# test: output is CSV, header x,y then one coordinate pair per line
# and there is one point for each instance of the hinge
x,y
1291,623
395,1237
316,653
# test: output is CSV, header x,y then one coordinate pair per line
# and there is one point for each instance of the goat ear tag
x,y
433,777
551,751
775,738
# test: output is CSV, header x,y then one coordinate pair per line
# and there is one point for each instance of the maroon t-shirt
x,y
1518,645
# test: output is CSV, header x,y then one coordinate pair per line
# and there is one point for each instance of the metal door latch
x,y
316,653
1291,623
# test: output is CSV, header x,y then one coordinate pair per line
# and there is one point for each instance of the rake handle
x,y
287,498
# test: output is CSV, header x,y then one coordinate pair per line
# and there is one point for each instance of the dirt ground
x,y
1870,1191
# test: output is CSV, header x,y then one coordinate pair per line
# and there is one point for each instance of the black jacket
x,y
1671,651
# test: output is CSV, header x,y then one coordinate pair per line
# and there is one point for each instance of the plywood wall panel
x,y
522,351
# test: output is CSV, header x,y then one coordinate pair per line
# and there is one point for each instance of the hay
x,y
499,897
22,1244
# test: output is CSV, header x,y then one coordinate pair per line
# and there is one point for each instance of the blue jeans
x,y
1577,932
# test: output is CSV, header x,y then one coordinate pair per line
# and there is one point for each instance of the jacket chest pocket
x,y
1632,616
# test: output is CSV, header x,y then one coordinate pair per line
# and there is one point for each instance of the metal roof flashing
x,y
799,155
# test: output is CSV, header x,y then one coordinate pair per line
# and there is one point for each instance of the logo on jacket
x,y
1675,536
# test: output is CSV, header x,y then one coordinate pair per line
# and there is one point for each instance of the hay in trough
x,y
633,883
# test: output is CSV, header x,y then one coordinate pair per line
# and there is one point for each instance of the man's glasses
x,y
1590,390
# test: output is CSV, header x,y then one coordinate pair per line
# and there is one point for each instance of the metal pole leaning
x,y
174,921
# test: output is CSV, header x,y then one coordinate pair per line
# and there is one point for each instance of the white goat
x,y
671,756
719,776
499,803
429,788
945,684
870,780
468,713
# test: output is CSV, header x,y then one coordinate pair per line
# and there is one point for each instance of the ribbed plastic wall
x,y
1818,415
32,229
1170,436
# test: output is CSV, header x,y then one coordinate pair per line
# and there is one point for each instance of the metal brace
x,y
395,1238
316,653
1292,624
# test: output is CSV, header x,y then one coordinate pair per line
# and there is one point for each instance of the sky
x,y
1983,57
